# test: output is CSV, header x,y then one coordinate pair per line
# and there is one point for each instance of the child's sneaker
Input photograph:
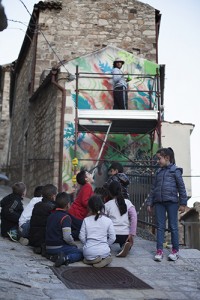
x,y
61,260
104,262
159,255
52,257
13,235
125,250
43,250
93,261
37,250
174,255
24,241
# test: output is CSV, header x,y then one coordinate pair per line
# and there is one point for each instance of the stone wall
x,y
42,158
20,116
4,116
89,25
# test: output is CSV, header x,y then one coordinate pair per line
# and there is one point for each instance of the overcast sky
x,y
179,50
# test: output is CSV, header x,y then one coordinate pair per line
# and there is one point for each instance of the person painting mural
x,y
120,85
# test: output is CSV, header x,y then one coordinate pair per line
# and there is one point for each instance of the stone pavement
x,y
25,275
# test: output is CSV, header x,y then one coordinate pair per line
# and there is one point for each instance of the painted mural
x,y
95,92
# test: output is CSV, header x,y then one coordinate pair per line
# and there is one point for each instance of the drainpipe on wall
x,y
158,20
54,72
159,108
33,66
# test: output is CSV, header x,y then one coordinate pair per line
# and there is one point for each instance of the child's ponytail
x,y
96,205
97,215
116,191
121,204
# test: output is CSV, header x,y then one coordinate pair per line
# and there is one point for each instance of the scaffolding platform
x,y
123,121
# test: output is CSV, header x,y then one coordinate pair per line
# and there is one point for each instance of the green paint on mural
x,y
83,64
127,57
150,67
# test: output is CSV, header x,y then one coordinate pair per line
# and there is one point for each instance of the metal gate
x,y
139,188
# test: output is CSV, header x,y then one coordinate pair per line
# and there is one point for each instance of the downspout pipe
x,y
158,21
54,72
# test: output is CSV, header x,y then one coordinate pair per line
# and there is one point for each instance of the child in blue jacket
x,y
168,195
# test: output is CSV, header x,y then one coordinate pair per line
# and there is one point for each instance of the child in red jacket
x,y
79,208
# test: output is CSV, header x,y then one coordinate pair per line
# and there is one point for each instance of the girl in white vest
x,y
97,234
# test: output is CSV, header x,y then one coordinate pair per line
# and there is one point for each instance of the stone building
x,y
59,32
5,72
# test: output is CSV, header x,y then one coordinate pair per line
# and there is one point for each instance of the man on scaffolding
x,y
119,85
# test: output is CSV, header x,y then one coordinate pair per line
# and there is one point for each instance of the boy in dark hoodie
x,y
116,173
38,220
12,208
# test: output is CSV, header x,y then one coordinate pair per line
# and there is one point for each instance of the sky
x,y
178,49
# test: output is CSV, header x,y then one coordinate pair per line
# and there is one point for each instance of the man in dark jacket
x,y
38,221
12,208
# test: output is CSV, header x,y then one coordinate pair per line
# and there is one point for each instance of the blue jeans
x,y
24,229
76,227
72,253
172,212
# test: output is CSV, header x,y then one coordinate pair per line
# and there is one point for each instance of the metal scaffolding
x,y
114,121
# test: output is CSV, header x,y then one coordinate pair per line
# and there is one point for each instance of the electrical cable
x,y
39,30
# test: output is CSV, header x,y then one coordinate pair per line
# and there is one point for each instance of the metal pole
x,y
76,115
76,126
159,112
102,147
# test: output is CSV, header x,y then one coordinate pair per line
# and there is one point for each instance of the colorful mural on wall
x,y
95,92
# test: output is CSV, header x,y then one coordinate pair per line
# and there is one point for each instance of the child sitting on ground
x,y
97,234
59,240
124,217
116,173
38,220
79,208
24,220
12,208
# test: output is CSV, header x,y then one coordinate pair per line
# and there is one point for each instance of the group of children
x,y
51,224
